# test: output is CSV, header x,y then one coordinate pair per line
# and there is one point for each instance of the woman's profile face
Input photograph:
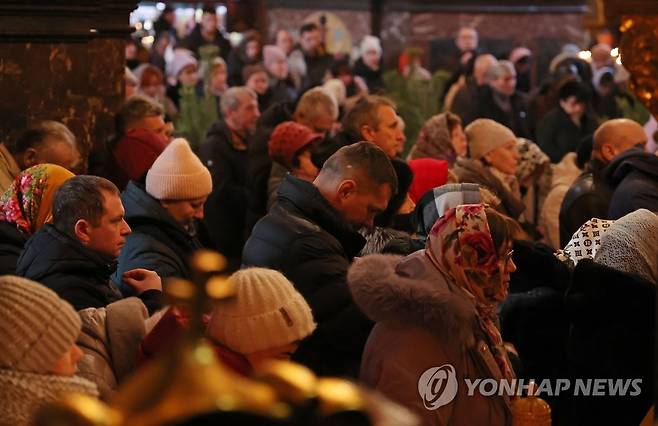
x,y
505,158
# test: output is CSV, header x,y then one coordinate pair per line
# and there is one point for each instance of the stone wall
x,y
63,61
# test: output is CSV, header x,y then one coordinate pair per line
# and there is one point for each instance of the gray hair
x,y
501,69
37,134
315,99
136,108
231,98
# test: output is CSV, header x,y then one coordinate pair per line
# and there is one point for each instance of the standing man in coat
x,y
310,235
163,215
225,155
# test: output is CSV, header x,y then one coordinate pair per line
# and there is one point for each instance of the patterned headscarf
x,y
585,242
462,238
435,140
531,158
28,201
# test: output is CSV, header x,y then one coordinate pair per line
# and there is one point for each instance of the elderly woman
x,y
492,162
437,308
441,138
25,207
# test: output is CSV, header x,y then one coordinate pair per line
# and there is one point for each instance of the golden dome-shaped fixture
x,y
190,381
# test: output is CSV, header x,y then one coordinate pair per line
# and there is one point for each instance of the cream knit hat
x,y
485,135
178,174
36,326
266,312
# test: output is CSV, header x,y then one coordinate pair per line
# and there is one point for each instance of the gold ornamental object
x,y
190,381
639,54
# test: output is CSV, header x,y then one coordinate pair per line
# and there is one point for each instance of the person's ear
x,y
82,229
30,157
608,152
367,133
346,189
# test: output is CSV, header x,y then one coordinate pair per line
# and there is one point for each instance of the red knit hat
x,y
287,139
135,153
428,174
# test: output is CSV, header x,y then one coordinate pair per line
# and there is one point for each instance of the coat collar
x,y
313,206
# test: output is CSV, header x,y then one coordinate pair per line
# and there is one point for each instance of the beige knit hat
x,y
36,326
485,135
178,174
266,312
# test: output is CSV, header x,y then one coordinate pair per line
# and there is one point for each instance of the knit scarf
x,y
461,238
22,394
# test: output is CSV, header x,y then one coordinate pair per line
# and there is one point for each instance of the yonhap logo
x,y
437,386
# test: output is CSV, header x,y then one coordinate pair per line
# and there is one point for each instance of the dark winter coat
x,y
612,336
157,241
203,48
468,170
588,197
226,208
11,245
557,134
533,316
484,106
78,275
634,177
306,239
373,78
259,159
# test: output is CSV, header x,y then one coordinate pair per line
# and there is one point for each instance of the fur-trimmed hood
x,y
412,291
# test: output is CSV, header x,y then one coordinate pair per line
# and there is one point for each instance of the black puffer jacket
x,y
157,241
612,337
305,238
78,275
634,176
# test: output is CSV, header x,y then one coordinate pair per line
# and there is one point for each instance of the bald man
x,y
462,96
591,194
632,172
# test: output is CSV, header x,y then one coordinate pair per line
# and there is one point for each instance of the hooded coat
x,y
424,321
634,177
305,238
157,241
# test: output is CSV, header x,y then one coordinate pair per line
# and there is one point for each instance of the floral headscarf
x,y
28,201
462,238
435,140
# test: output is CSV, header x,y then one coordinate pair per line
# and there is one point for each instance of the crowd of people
x,y
512,236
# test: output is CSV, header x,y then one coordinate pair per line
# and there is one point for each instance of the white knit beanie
x,y
266,312
485,135
178,174
630,245
36,326
369,43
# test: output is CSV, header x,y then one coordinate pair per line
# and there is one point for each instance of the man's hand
x,y
142,280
